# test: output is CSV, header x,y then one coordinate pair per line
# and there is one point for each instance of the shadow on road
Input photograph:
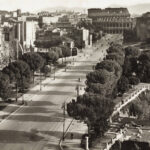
x,y
10,136
62,84
71,77
36,118
51,93
81,72
41,103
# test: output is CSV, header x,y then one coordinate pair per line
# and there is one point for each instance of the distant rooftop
x,y
109,11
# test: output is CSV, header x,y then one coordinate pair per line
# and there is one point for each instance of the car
x,y
9,100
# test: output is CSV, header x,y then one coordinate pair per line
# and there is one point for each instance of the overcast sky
x,y
33,5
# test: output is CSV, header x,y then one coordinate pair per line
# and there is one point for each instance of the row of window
x,y
114,31
104,24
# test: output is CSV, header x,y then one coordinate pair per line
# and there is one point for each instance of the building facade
x,y
111,20
143,27
64,23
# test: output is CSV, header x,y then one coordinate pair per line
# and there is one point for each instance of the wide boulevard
x,y
39,124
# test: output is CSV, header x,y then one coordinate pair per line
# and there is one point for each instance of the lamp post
x,y
64,114
77,89
54,72
50,63
65,67
16,91
40,82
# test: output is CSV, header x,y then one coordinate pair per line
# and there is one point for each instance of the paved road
x,y
43,112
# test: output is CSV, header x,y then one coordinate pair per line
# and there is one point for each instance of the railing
x,y
130,98
120,136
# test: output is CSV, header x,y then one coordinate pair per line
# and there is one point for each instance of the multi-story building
x,y
111,20
143,27
64,23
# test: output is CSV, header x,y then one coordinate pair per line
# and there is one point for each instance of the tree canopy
x,y
132,51
93,109
34,60
5,90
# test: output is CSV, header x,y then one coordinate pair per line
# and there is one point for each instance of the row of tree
x,y
96,105
113,76
20,72
48,43
136,68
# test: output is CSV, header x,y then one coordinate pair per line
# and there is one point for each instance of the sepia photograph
x,y
74,75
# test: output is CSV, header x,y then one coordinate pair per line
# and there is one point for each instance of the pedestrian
x,y
71,136
25,102
79,79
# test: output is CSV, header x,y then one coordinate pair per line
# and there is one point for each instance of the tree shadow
x,y
36,118
56,134
41,103
36,109
71,77
51,93
81,72
11,136
62,84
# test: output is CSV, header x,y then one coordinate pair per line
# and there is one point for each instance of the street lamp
x,y
54,72
50,63
40,82
65,67
64,114
77,89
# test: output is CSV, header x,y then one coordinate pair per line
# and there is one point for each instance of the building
x,y
86,37
64,23
81,37
111,20
22,31
143,27
48,20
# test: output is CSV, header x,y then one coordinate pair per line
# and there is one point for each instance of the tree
x,y
143,69
116,48
101,82
115,56
93,109
130,66
123,84
52,56
34,60
58,50
98,76
134,80
132,51
109,65
66,51
46,69
21,73
5,90
130,36
47,43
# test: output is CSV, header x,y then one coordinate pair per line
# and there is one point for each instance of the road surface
x,y
39,125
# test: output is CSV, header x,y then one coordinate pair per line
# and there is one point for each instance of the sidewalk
x,y
77,128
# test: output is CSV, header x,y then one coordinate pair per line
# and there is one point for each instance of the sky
x,y
34,5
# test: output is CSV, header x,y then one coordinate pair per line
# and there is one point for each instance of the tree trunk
x,y
33,76
22,91
65,59
16,92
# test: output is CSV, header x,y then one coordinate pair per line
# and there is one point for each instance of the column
x,y
87,143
